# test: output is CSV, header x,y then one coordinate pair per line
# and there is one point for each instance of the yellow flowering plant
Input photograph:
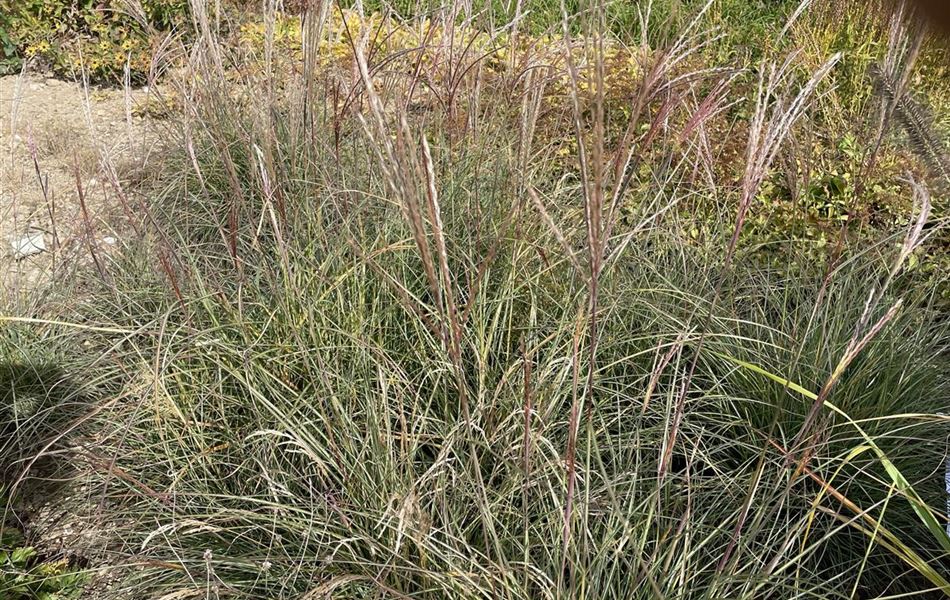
x,y
97,35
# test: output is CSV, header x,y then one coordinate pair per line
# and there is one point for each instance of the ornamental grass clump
x,y
364,348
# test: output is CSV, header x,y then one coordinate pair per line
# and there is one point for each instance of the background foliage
x,y
105,36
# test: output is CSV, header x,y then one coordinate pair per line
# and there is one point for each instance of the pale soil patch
x,y
68,130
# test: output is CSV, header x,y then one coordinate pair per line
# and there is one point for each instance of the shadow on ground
x,y
39,405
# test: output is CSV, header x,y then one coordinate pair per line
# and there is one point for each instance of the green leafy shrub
x,y
25,575
100,35
24,578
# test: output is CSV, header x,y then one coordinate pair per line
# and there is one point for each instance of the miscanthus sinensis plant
x,y
363,348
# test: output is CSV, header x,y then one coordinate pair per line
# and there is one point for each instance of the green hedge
x,y
102,35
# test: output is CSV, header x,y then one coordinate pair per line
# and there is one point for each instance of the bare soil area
x,y
67,155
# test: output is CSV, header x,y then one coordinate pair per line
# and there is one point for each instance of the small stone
x,y
29,244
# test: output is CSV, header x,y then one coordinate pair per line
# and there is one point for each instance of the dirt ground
x,y
57,138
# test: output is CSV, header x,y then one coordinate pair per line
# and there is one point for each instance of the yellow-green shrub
x,y
100,35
